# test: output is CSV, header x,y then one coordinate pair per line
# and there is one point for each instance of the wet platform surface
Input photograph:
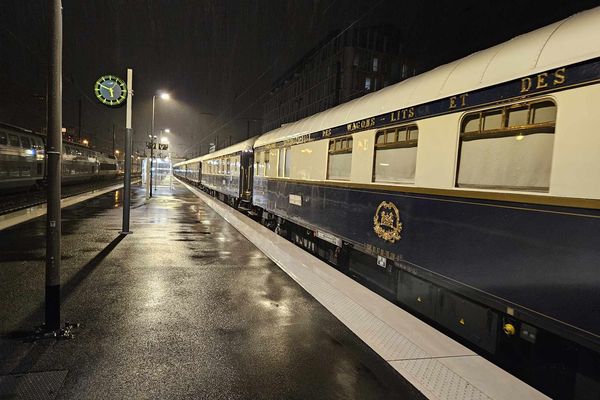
x,y
185,307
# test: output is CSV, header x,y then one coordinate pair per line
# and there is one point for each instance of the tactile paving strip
x,y
32,386
438,380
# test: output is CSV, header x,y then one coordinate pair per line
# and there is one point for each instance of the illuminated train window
x,y
396,154
508,148
340,158
262,162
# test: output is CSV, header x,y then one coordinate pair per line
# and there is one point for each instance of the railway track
x,y
17,201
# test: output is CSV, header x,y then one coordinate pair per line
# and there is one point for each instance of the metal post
x,y
128,140
151,161
53,155
113,133
152,141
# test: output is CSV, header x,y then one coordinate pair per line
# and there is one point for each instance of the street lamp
x,y
164,96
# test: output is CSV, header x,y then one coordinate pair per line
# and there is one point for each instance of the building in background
x,y
342,67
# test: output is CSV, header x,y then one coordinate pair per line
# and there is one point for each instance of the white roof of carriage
x,y
191,160
571,40
241,146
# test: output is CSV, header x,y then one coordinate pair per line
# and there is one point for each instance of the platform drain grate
x,y
31,386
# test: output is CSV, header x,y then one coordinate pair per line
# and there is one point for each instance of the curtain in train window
x,y
281,164
271,162
508,148
340,159
288,163
396,154
284,162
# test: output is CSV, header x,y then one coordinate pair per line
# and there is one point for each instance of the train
x,y
468,195
23,161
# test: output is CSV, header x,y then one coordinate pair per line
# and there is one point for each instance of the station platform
x,y
184,307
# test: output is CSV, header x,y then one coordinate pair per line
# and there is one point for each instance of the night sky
x,y
218,58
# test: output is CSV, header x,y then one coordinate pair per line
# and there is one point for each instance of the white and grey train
x,y
23,161
469,195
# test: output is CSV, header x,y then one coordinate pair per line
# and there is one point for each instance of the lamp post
x,y
164,96
152,139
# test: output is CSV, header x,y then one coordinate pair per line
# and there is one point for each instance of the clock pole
x,y
128,139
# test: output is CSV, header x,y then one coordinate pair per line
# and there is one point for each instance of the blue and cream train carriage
x,y
469,194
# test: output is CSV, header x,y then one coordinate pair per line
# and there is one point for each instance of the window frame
x,y
395,144
12,139
347,149
504,131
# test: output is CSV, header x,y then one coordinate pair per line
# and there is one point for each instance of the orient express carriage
x,y
469,194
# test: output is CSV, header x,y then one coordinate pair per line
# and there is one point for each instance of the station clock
x,y
110,90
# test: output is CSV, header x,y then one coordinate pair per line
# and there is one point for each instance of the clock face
x,y
111,90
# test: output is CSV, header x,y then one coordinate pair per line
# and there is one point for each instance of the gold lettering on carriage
x,y
363,124
544,80
403,114
456,100
386,222
297,140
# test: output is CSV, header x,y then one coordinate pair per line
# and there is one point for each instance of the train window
x,y
471,123
511,150
518,116
396,154
3,139
25,142
13,140
340,158
543,112
492,120
260,166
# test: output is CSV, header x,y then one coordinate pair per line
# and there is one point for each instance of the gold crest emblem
x,y
386,222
